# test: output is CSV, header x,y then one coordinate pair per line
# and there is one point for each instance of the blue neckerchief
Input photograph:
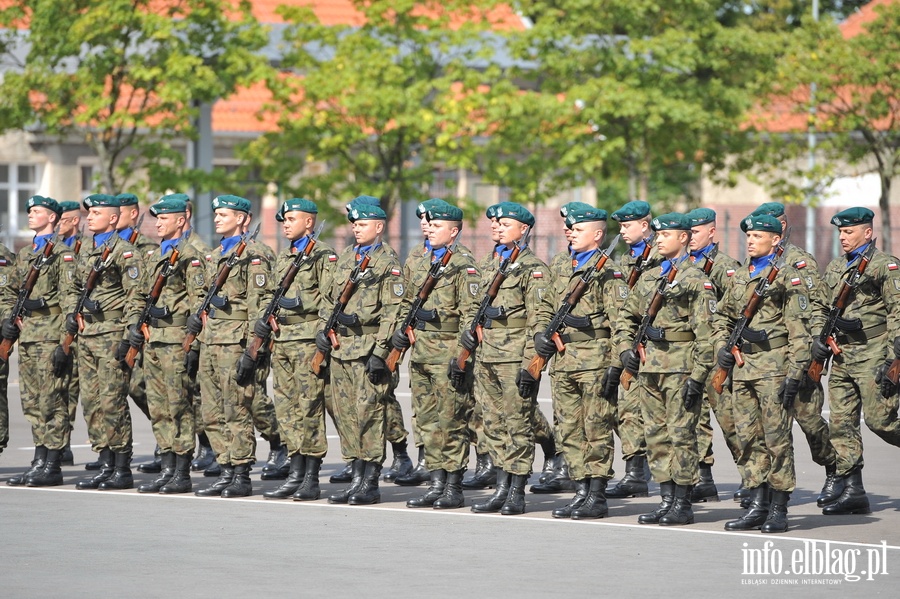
x,y
300,244
40,241
759,264
101,238
856,253
638,248
70,241
438,254
428,247
126,233
581,258
360,250
504,252
666,265
697,254
167,245
229,242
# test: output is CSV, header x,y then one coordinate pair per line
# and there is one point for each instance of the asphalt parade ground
x,y
60,542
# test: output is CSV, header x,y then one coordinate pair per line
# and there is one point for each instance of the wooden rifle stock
x,y
155,292
346,293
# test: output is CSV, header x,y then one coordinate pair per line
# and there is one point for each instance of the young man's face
x,y
229,222
671,242
761,243
40,219
168,226
102,219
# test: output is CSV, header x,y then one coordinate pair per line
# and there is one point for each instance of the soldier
x,y
70,232
678,360
869,336
226,405
521,309
360,379
8,289
776,354
299,394
634,226
111,306
43,400
440,408
719,268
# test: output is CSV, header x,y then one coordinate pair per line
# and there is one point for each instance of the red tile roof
x,y
855,23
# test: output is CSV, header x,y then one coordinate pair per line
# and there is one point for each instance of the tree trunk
x,y
884,203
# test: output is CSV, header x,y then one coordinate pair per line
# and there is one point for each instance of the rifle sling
x,y
448,325
169,321
102,316
506,323
768,345
584,335
675,337
297,318
357,330
222,315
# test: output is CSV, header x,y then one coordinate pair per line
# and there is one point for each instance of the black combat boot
x,y
557,482
741,494
667,498
681,512
550,467
293,480
438,484
367,493
345,475
51,474
309,488
90,466
485,476
706,490
121,477
777,520
37,464
154,467
581,492
515,500
206,457
594,505
419,475
240,485
107,464
167,459
67,458
756,513
402,464
834,486
634,483
495,501
358,469
181,482
853,499
220,484
452,496
215,469
278,464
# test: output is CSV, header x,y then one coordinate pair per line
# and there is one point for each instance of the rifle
x,y
747,313
135,230
477,326
640,265
90,283
19,308
641,336
212,294
76,247
412,317
341,303
710,259
271,313
558,322
143,323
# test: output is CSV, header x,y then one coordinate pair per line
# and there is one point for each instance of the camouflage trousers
x,y
395,430
720,406
630,424
441,415
73,389
4,404
853,390
670,430
137,389
509,420
584,423
475,424
43,396
263,408
808,414
193,391
299,399
226,406
763,429
104,393
360,413
171,409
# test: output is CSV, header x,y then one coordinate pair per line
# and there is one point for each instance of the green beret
x,y
48,203
365,201
701,216
443,211
176,196
127,199
234,202
491,212
366,212
515,212
631,211
425,206
769,208
568,207
853,216
673,221
102,200
583,215
69,206
169,204
761,222
298,205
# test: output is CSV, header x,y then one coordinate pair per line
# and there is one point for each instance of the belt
x,y
295,319
357,331
582,335
102,316
861,336
448,325
169,321
676,337
49,311
768,345
236,315
508,323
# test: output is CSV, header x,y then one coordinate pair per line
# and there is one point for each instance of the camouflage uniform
x,y
264,418
8,287
137,386
73,391
193,383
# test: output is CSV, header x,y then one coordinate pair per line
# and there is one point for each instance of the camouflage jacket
x,y
627,261
723,268
9,280
183,288
45,324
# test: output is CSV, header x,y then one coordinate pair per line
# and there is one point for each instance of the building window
x,y
18,182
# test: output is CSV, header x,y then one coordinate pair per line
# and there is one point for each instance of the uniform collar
x,y
167,245
759,264
228,242
101,238
125,233
667,264
852,256
579,259
40,241
697,254
299,245
638,248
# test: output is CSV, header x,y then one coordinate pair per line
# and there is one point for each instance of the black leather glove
x,y
71,324
400,341
788,392
135,337
820,351
609,386
9,330
262,329
468,340
323,344
888,389
60,361
725,359
122,351
630,361
194,325
192,362
245,369
692,393
544,346
377,370
526,383
457,376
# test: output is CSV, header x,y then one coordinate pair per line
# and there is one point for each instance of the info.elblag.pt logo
x,y
815,563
